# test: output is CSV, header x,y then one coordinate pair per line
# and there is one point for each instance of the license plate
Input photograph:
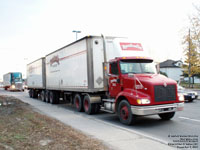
x,y
193,96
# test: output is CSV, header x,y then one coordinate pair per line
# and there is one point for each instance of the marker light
x,y
143,101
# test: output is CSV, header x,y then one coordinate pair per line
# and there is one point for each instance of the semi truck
x,y
13,81
110,74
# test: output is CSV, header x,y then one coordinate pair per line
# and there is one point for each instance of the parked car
x,y
188,94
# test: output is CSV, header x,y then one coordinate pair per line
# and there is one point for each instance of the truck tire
x,y
43,96
167,116
53,97
78,103
125,114
190,100
88,107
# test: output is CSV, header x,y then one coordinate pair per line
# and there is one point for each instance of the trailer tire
x,y
30,93
125,114
167,116
43,96
88,107
34,94
53,97
78,102
47,96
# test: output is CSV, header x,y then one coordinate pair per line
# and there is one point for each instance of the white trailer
x,y
80,65
36,80
77,69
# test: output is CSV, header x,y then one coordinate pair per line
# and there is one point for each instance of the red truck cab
x,y
139,90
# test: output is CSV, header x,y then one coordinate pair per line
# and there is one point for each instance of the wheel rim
x,y
86,105
77,103
124,113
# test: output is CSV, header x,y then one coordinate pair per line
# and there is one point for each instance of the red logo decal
x,y
55,59
30,69
131,46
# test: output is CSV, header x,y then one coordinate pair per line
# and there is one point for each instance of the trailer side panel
x,y
36,74
66,69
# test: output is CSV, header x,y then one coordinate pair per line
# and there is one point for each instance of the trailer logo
x,y
30,69
54,61
131,46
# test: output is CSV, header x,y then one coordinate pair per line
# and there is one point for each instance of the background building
x,y
172,69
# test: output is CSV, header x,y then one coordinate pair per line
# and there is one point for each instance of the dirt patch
x,y
22,128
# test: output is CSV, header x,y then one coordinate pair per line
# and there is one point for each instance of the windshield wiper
x,y
149,72
134,72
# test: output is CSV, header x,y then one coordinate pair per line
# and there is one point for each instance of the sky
x,y
30,29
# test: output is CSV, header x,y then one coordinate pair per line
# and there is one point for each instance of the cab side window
x,y
114,68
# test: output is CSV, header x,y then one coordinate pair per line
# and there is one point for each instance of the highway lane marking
x,y
189,119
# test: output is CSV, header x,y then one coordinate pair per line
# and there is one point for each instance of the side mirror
x,y
108,74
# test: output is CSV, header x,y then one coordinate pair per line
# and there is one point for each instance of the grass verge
x,y
23,128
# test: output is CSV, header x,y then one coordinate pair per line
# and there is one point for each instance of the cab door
x,y
114,80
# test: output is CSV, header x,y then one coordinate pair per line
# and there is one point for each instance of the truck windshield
x,y
16,77
141,66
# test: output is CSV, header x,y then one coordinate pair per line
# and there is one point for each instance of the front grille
x,y
18,85
162,93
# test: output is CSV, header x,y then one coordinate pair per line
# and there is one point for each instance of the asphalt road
x,y
185,123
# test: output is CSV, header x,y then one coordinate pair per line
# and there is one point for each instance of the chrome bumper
x,y
157,109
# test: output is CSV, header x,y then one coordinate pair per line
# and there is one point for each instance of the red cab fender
x,y
131,95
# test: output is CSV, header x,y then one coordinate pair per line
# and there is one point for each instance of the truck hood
x,y
149,82
154,79
149,79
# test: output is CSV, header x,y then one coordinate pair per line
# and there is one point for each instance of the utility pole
x,y
75,31
189,58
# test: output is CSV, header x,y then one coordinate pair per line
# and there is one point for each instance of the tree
x,y
191,67
191,42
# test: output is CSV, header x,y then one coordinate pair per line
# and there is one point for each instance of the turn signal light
x,y
143,101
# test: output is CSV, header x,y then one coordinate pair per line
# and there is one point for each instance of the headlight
x,y
143,101
181,97
12,86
